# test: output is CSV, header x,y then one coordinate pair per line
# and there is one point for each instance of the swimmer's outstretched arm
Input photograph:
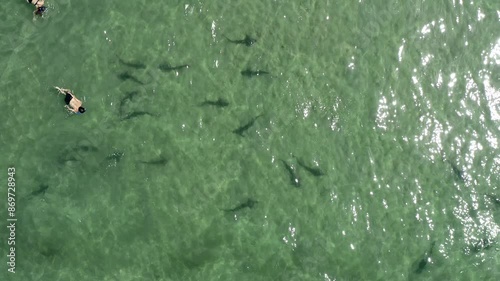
x,y
63,91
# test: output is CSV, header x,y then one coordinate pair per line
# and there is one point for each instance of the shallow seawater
x,y
369,151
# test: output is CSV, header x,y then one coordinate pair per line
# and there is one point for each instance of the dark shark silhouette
x,y
240,130
294,179
250,203
86,148
247,41
251,73
220,102
315,171
481,245
425,260
458,173
136,65
494,199
160,161
165,67
127,76
136,114
40,191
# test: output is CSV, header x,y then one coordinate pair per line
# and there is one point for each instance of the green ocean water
x,y
396,102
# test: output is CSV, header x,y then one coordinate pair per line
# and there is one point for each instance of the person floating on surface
x,y
39,7
73,104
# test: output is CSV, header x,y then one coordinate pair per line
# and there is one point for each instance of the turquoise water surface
x,y
369,152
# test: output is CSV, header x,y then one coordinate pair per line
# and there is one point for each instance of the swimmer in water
x,y
73,104
39,7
